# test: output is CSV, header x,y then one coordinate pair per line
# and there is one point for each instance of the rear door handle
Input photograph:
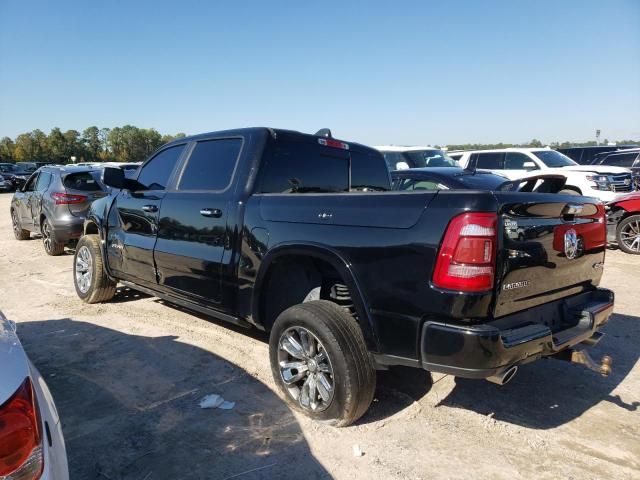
x,y
211,212
150,208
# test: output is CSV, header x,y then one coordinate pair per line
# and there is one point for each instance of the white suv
x,y
603,182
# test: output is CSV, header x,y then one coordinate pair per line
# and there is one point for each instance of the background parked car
x,y
400,158
31,442
586,155
15,174
628,158
623,223
455,178
603,182
54,202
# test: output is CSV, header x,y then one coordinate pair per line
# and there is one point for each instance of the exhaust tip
x,y
504,377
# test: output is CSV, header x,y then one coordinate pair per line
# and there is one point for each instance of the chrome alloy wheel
x,y
46,236
84,269
630,235
305,368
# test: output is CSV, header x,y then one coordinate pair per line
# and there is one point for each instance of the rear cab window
x,y
292,166
83,181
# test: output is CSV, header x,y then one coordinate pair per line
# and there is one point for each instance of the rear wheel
x,y
19,232
628,235
52,247
320,362
92,283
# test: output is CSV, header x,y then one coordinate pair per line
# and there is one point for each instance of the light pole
x,y
598,137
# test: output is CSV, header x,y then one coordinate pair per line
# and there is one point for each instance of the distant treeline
x,y
133,144
119,144
535,143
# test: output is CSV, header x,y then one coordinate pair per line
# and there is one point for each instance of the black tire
x,y
353,372
99,288
568,191
628,235
52,247
19,232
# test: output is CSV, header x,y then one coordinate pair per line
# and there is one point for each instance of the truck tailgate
x,y
551,246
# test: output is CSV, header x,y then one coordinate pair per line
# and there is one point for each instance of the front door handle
x,y
150,208
211,212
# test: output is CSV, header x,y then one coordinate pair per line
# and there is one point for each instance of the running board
x,y
189,305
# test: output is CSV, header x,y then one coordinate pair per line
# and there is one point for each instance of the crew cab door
x,y
133,219
23,202
193,234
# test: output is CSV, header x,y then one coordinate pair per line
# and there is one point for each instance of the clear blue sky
x,y
376,72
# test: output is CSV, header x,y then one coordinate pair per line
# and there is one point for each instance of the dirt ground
x,y
127,377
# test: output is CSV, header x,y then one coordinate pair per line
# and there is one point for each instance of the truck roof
x,y
276,133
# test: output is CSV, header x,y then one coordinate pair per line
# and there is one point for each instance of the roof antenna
x,y
324,132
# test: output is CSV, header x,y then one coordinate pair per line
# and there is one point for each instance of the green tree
x,y
57,145
7,150
92,143
73,146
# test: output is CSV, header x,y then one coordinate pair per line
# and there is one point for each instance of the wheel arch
x,y
318,253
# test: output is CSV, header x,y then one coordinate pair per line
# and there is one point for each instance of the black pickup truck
x,y
301,236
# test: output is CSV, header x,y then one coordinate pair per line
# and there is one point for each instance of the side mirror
x,y
113,177
402,166
529,166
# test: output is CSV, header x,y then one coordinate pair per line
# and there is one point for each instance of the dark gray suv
x,y
53,203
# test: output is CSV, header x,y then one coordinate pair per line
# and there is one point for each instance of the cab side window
x,y
392,159
44,179
30,186
490,160
516,161
211,165
156,172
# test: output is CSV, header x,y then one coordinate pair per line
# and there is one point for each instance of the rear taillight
x,y
466,259
21,456
67,198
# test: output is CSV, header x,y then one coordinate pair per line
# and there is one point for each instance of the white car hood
x,y
597,169
14,366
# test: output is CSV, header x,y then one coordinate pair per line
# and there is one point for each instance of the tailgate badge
x,y
570,244
510,224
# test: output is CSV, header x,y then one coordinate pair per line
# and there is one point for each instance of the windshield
x,y
553,159
429,158
8,168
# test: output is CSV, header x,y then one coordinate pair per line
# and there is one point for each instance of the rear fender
x,y
338,262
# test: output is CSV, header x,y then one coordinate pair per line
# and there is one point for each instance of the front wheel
x,y
92,283
320,362
628,235
19,232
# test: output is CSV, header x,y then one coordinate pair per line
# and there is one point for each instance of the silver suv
x,y
53,203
